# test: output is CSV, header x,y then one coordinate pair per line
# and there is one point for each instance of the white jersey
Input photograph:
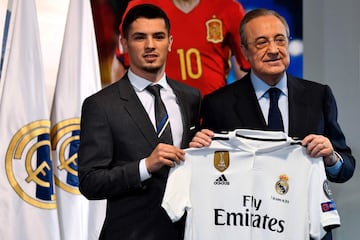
x,y
251,185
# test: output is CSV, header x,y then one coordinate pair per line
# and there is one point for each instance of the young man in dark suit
x,y
308,109
122,156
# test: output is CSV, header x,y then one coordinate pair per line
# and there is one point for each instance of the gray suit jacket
x,y
312,109
116,133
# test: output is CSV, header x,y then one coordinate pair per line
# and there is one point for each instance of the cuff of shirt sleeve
x,y
144,174
335,169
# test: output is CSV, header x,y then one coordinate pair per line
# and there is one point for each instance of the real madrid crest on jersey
x,y
65,140
29,167
221,160
282,186
214,32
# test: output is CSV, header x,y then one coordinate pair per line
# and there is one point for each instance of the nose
x,y
149,43
273,47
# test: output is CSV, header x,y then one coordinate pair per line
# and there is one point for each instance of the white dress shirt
x,y
147,99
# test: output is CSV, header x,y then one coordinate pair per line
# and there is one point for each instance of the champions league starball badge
x,y
282,186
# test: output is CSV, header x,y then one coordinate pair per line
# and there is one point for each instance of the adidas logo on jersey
x,y
221,180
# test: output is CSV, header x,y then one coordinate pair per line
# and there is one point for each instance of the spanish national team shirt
x,y
251,184
204,40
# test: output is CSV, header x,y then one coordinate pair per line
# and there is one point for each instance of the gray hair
x,y
259,12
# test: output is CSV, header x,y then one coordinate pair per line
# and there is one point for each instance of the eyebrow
x,y
145,34
277,35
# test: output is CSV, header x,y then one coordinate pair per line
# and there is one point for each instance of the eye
x,y
138,37
159,36
261,43
281,40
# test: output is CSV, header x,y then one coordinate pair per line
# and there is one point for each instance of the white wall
x,y
331,56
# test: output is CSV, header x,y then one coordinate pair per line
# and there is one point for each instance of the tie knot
x,y
154,89
274,93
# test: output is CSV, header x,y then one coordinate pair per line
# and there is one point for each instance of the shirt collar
x,y
261,87
140,83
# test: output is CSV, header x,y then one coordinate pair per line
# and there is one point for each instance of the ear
x,y
244,51
170,42
123,46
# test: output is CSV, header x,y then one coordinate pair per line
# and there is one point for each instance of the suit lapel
x,y
136,111
247,106
297,106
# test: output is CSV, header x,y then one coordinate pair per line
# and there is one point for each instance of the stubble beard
x,y
152,69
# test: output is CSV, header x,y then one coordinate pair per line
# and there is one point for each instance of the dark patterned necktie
x,y
275,121
162,119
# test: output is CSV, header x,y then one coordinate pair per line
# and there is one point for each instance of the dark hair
x,y
259,12
148,11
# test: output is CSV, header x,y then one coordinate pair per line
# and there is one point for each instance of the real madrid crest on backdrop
x,y
65,140
28,165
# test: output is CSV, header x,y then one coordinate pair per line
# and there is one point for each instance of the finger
x,y
199,143
172,153
175,157
321,149
308,139
326,150
313,148
193,144
207,132
312,143
203,139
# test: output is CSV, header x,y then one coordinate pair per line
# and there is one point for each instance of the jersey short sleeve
x,y
177,195
323,212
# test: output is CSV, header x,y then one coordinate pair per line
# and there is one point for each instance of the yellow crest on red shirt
x,y
214,30
221,160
